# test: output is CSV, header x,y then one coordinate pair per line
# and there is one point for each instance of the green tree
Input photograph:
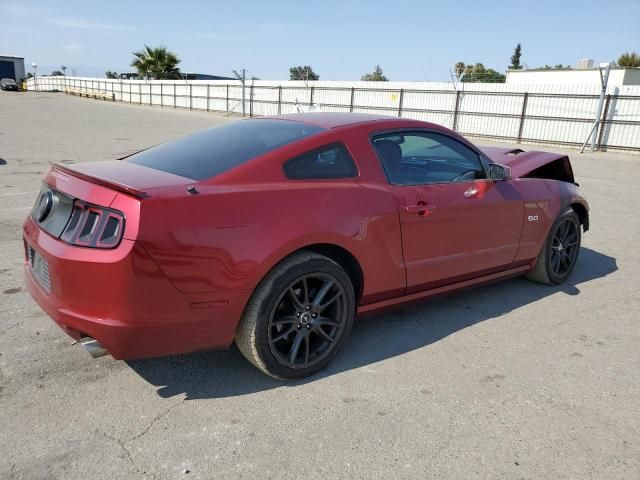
x,y
156,63
111,74
478,73
57,73
559,66
515,58
376,76
629,59
303,73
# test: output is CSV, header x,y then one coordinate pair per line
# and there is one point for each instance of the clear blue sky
x,y
341,39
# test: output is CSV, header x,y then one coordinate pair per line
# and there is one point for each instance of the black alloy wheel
x,y
309,317
559,254
564,247
298,317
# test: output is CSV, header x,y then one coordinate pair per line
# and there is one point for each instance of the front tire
x,y
298,317
559,254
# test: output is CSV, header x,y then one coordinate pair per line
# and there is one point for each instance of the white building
x,y
590,76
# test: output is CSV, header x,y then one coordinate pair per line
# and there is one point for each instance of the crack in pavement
x,y
153,422
123,444
127,454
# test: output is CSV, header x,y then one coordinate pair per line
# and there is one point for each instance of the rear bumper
x,y
122,299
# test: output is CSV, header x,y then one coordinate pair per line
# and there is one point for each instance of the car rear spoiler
x,y
103,182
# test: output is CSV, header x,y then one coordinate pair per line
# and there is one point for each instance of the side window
x,y
329,162
418,158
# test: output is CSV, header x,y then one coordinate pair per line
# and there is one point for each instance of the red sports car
x,y
275,232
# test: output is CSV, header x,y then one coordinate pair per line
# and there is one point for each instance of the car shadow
x,y
373,338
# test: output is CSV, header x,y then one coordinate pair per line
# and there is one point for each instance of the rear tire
x,y
559,254
298,317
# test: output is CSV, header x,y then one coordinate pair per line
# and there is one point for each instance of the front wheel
x,y
559,253
298,317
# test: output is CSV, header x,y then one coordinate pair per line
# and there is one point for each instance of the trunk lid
x,y
124,177
89,194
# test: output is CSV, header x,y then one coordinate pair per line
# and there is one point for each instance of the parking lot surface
x,y
511,380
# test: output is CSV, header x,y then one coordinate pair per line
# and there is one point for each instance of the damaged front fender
x,y
533,164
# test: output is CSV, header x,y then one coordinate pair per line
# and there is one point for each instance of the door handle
x,y
420,208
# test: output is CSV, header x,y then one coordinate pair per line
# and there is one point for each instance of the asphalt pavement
x,y
513,380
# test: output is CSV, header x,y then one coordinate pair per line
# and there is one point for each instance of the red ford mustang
x,y
275,232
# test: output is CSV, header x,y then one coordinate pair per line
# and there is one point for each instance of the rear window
x,y
206,154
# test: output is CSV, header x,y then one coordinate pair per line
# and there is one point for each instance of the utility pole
x,y
35,75
604,80
242,79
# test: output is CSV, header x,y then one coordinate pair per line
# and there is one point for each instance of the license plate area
x,y
39,269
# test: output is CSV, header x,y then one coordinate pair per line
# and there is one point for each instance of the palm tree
x,y
156,63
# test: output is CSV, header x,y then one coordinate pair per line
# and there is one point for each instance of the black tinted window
x,y
331,161
417,158
206,154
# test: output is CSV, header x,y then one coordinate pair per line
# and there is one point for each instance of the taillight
x,y
93,226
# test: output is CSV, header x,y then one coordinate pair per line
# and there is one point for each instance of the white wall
x,y
554,114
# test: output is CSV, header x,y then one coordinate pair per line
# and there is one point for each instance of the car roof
x,y
333,119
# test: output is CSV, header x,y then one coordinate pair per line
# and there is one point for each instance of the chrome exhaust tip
x,y
93,347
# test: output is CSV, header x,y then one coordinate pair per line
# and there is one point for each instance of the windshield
x,y
206,154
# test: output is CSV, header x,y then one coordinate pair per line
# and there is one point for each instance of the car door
x,y
456,224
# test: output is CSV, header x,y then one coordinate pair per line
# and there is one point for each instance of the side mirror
x,y
499,172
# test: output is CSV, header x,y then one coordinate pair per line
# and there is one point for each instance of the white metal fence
x,y
544,114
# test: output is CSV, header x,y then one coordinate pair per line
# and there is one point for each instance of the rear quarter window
x,y
206,154
328,162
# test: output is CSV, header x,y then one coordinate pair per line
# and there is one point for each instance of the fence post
x,y
151,95
353,90
400,102
129,91
522,115
227,104
251,100
162,94
208,93
140,94
190,98
455,112
279,99
174,94
605,112
311,97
